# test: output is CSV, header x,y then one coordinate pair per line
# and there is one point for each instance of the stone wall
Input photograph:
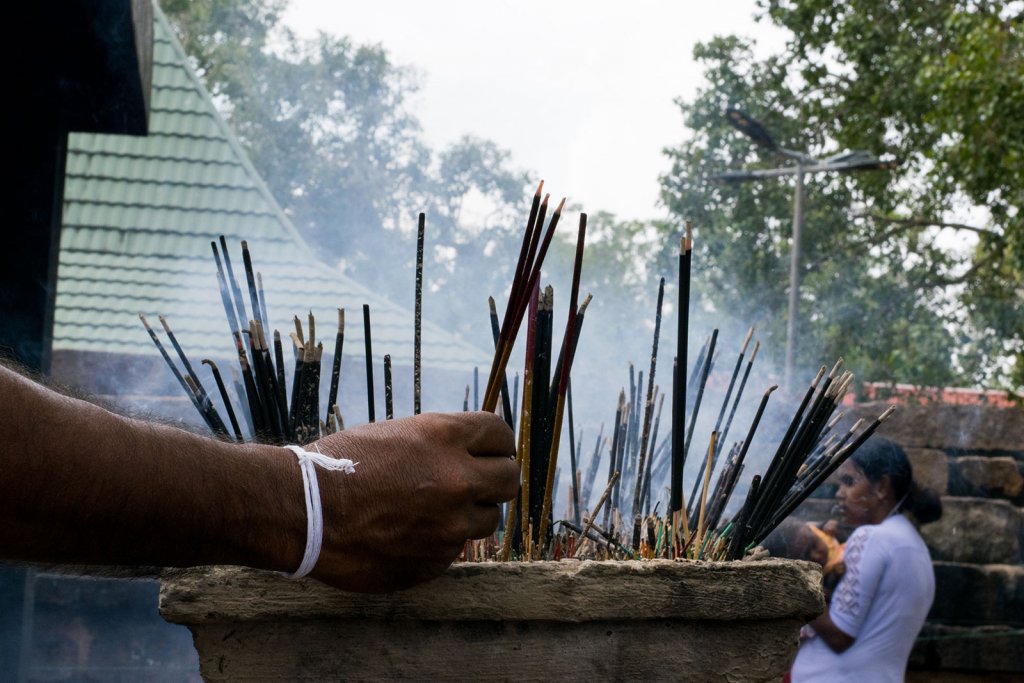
x,y
973,457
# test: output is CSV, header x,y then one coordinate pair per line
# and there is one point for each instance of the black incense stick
x,y
174,370
389,396
264,318
506,404
339,344
225,295
236,291
721,415
369,363
250,278
225,398
207,407
649,403
572,457
679,379
418,319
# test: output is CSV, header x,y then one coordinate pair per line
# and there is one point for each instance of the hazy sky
x,y
581,93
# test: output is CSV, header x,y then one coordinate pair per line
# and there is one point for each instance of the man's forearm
x,y
80,484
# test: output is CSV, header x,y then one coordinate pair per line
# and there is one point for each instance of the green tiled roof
x,y
139,215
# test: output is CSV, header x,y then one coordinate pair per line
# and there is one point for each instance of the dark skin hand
x,y
443,474
82,485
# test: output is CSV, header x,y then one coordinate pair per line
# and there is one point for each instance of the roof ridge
x,y
161,21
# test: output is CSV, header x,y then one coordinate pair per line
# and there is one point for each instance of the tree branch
x,y
969,273
904,224
909,223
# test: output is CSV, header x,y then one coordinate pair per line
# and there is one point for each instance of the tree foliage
x,y
913,274
328,124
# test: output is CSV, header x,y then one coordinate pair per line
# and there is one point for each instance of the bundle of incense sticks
x,y
621,527
622,524
271,412
528,526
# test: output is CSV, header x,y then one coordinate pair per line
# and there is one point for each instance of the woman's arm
x,y
865,562
79,484
833,636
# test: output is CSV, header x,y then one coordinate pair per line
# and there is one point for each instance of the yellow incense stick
x,y
704,492
525,422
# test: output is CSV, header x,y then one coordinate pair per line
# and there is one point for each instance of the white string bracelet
x,y
314,506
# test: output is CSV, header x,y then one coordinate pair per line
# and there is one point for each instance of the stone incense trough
x,y
570,620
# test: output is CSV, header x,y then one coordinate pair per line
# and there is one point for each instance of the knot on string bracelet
x,y
308,460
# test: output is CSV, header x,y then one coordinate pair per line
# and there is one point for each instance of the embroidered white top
x,y
881,601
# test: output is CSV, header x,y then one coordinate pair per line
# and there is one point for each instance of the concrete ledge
x,y
540,591
651,621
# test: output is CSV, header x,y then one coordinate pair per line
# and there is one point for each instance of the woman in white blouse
x,y
883,598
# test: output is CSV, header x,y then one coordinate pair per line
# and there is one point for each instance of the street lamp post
x,y
804,164
794,274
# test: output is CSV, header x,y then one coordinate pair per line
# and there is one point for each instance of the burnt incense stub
x,y
652,620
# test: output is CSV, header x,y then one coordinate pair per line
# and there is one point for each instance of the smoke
x,y
618,335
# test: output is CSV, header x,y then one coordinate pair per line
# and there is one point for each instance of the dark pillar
x,y
28,259
83,65
32,197
33,201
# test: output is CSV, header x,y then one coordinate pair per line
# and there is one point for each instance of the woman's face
x,y
859,500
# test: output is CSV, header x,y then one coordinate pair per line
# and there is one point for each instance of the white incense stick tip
x,y
757,347
887,414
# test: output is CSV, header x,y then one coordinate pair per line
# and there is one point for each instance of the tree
x,y
326,123
937,84
941,84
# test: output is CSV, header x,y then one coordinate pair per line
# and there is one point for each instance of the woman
x,y
883,598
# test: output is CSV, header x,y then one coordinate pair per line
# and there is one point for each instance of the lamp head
x,y
750,127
